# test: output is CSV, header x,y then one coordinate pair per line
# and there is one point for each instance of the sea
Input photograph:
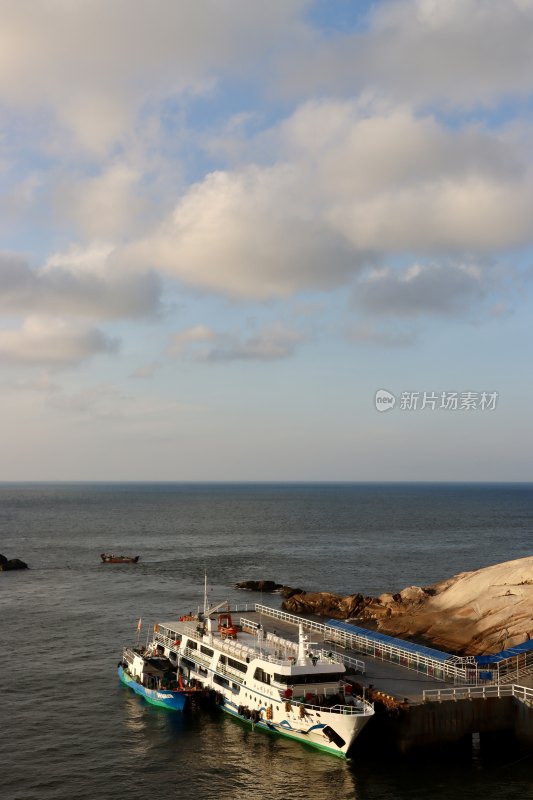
x,y
70,731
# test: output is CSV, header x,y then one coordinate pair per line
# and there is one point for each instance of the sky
x,y
283,241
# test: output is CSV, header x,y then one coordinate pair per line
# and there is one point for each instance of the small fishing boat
x,y
111,558
152,677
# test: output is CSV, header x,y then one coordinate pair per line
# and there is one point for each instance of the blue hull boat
x,y
173,699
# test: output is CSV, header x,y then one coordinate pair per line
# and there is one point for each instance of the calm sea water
x,y
69,730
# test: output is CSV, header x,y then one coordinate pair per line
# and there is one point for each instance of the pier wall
x,y
524,724
450,725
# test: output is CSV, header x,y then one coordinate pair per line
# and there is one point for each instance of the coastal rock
x,y
476,612
326,604
267,586
7,564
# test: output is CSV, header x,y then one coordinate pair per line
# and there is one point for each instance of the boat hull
x,y
313,734
174,701
118,559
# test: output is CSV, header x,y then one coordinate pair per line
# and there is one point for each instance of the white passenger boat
x,y
270,682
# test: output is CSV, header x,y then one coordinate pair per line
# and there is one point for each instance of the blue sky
x,y
225,225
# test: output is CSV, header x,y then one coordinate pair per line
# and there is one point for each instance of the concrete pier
x,y
417,712
500,723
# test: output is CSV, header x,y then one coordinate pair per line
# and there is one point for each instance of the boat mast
x,y
206,605
302,644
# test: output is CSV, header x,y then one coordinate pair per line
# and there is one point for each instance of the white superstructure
x,y
271,682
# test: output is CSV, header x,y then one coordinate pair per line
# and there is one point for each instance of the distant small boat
x,y
111,558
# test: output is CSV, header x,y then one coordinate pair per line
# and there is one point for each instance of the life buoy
x,y
269,712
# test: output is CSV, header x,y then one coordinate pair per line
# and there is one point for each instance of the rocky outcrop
x,y
11,563
269,587
327,604
474,612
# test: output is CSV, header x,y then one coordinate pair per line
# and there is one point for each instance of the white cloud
x,y
146,370
347,191
460,52
422,289
105,402
252,233
77,283
41,383
52,342
201,343
106,206
19,198
369,334
94,64
180,340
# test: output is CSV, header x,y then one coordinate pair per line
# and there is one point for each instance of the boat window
x,y
236,665
192,644
261,675
311,677
220,680
207,650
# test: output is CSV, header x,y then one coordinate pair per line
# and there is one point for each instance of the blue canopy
x,y
511,652
391,641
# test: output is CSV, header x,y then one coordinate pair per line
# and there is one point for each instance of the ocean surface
x,y
70,731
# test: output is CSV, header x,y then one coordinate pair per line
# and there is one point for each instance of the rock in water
x,y
267,586
7,564
259,586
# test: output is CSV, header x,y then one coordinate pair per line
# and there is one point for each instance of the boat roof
x,y
274,649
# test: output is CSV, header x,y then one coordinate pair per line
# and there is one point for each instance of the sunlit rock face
x,y
473,612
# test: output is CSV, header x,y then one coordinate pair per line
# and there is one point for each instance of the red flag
x,y
139,624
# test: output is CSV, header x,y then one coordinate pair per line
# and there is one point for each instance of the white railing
x,y
197,655
230,672
459,673
236,608
355,663
292,618
479,692
457,670
386,652
248,623
160,638
361,707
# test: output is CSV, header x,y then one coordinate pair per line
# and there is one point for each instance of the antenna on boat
x,y
206,604
260,629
